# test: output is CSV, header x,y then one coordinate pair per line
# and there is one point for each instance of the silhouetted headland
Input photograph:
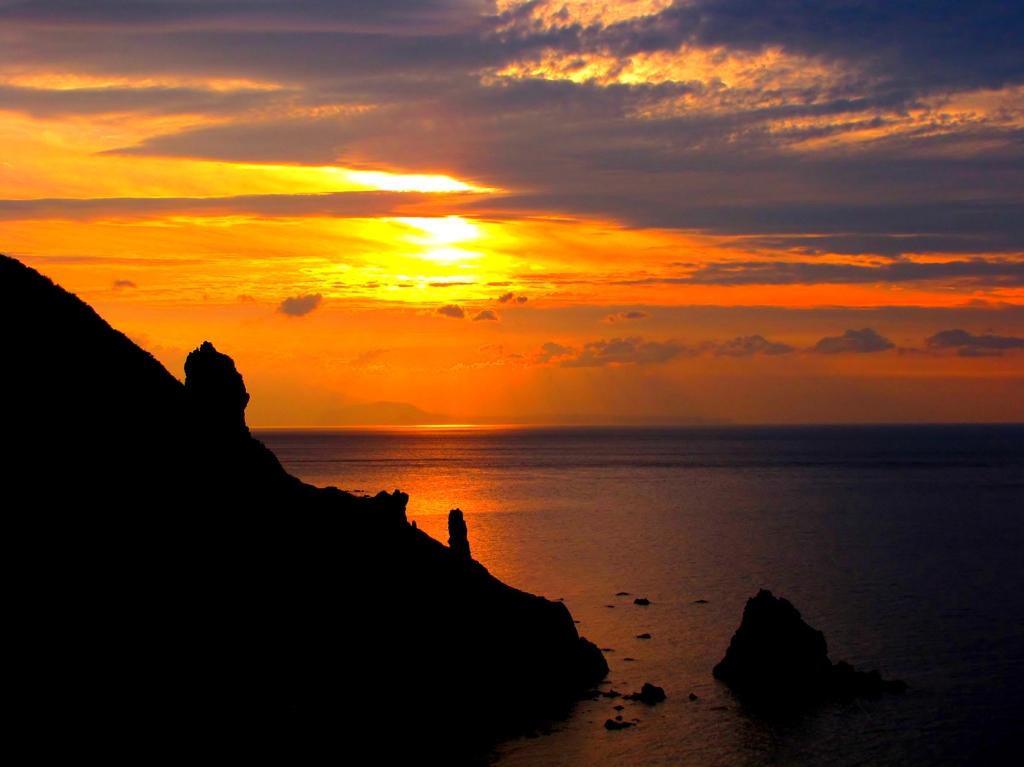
x,y
775,657
175,585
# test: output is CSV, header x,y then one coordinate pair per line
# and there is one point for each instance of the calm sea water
x,y
904,545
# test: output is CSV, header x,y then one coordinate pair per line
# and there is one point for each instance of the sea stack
x,y
458,534
774,655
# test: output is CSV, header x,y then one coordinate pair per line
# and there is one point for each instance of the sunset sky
x,y
754,210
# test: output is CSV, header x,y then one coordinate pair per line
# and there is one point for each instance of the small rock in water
x,y
607,649
643,636
622,594
700,601
693,696
618,718
649,694
627,659
642,601
611,694
618,708
611,606
611,724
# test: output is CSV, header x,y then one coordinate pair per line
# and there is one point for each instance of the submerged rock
x,y
775,655
642,601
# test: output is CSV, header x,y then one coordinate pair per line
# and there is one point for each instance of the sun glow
x,y
443,230
397,182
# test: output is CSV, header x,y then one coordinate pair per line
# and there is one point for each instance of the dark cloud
x,y
119,284
626,316
451,310
492,349
299,306
922,42
748,346
864,341
625,351
374,84
506,298
337,205
970,345
552,351
486,314
50,104
424,16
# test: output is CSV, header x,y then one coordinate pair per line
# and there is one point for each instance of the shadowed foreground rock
x,y
173,588
776,657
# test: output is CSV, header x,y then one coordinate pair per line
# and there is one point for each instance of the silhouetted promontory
x,y
175,586
776,657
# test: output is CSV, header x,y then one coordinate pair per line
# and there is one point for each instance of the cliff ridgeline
x,y
175,588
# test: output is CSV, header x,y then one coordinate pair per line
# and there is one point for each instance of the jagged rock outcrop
x,y
775,656
215,393
175,587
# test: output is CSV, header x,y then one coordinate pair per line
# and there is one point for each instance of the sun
x,y
446,230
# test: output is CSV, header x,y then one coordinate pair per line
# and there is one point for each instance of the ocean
x,y
903,544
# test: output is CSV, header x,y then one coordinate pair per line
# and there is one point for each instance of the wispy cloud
x,y
627,316
369,357
617,351
978,271
748,346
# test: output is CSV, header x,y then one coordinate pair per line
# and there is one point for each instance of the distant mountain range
x,y
385,414
405,414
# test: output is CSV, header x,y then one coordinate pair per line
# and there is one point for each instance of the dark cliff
x,y
174,586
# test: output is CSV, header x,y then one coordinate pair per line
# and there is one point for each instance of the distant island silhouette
x,y
176,588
